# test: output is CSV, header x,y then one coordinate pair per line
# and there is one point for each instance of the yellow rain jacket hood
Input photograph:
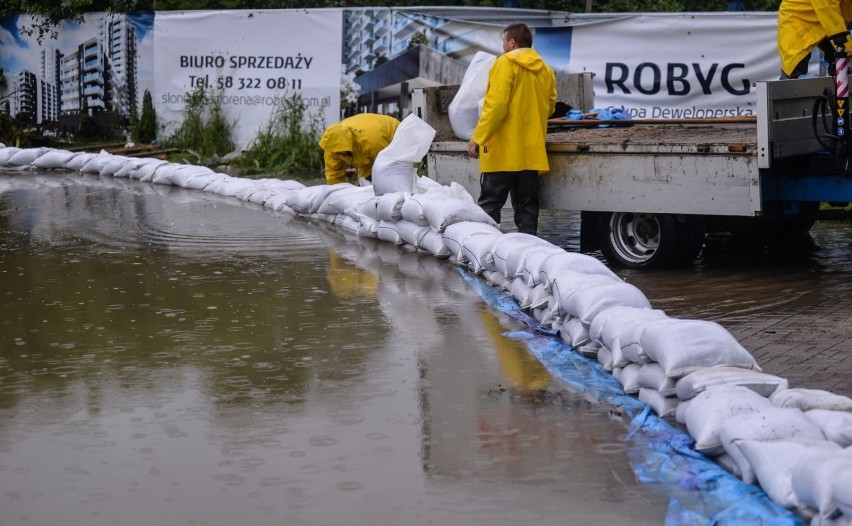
x,y
355,141
802,24
513,125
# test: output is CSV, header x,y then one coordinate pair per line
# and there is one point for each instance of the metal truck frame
x,y
649,193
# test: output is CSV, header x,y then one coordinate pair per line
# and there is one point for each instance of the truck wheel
x,y
639,240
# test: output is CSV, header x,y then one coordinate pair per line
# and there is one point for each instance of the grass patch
x,y
205,132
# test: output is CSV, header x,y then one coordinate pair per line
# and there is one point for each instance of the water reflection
x,y
175,357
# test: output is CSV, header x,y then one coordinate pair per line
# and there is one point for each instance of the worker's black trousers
x,y
522,186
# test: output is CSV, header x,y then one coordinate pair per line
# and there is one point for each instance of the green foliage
x,y
204,129
289,143
417,39
145,129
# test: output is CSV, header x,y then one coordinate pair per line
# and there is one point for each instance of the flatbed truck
x,y
648,194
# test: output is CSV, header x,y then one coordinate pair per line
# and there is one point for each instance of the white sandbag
x,y
652,376
308,200
495,279
325,218
841,491
433,243
26,156
413,208
587,295
773,462
575,262
441,213
512,242
347,224
663,406
574,333
807,399
605,358
201,180
835,425
589,350
77,162
54,159
231,187
258,185
369,208
681,346
369,227
528,263
126,170
386,231
620,328
393,169
410,232
540,297
389,206
464,109
178,174
95,164
762,383
6,153
812,479
724,459
340,201
475,249
710,409
682,408
520,291
113,165
545,317
454,237
628,377
770,423
144,172
277,201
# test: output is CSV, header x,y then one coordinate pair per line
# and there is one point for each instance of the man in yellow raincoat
x,y
355,142
803,24
509,137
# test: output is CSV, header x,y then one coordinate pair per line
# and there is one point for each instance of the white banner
x,y
251,60
678,65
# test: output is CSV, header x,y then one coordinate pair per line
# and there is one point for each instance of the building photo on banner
x,y
657,66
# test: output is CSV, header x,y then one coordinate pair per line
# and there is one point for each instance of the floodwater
x,y
172,357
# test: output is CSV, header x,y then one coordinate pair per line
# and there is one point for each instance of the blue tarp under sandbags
x,y
597,334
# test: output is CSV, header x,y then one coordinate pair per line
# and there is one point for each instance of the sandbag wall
x,y
795,443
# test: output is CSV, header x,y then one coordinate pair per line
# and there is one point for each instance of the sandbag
x,y
231,187
441,213
386,231
393,170
53,159
770,423
97,163
587,295
520,291
113,165
369,208
475,249
433,243
528,263
464,109
342,200
575,262
762,383
628,377
841,491
574,332
807,399
389,206
812,479
710,409
26,156
773,462
663,406
835,425
681,346
652,376
75,163
308,200
605,358
7,153
455,235
620,327
509,243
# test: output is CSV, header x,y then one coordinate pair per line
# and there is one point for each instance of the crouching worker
x,y
354,143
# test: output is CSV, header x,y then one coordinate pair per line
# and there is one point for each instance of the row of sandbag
x,y
752,422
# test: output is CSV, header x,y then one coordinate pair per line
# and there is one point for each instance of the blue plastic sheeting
x,y
700,491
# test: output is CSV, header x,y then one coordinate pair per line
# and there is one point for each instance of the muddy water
x,y
170,357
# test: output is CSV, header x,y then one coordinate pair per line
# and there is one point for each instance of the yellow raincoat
x,y
802,24
355,141
521,95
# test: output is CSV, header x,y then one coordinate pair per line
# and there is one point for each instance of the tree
x,y
46,14
146,129
418,39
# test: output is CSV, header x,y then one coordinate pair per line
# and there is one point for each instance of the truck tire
x,y
639,240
